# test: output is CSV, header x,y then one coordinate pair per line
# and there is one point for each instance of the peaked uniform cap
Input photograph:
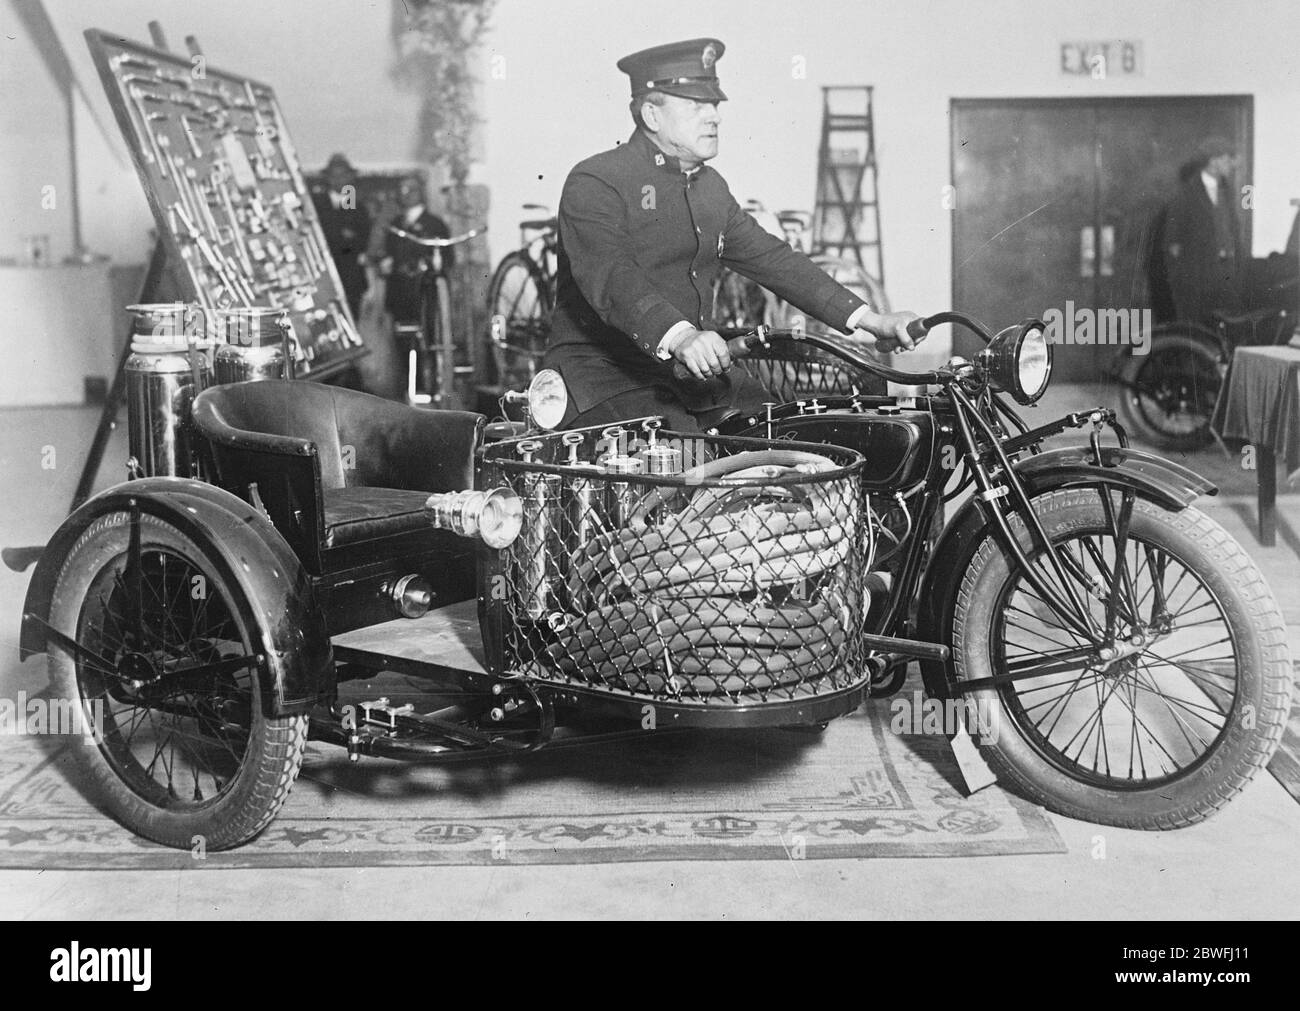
x,y
687,69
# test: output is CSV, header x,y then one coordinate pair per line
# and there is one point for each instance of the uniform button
x,y
697,229
695,273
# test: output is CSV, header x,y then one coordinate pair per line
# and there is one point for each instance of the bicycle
x,y
520,299
431,358
740,302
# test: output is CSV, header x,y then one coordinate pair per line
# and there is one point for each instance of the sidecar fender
x,y
1152,477
247,552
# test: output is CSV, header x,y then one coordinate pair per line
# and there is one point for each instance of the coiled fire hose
x,y
668,595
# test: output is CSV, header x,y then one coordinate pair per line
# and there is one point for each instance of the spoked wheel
x,y
520,303
1164,726
166,668
1169,394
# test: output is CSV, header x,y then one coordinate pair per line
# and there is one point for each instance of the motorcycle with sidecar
x,y
553,588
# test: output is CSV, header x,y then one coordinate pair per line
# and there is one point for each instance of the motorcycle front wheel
x,y
1191,705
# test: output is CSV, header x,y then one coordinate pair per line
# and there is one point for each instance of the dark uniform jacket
x,y
1202,253
347,234
640,246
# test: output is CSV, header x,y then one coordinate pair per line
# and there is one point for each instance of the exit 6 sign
x,y
1099,60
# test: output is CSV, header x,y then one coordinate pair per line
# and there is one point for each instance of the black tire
x,y
220,768
1168,395
1211,692
520,301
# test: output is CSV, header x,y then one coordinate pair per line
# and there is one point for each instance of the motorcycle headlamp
x,y
548,399
1019,361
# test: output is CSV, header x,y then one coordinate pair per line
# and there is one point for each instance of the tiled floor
x,y
1242,863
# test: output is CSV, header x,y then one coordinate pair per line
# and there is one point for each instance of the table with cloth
x,y
1260,404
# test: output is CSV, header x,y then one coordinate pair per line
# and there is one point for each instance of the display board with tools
x,y
226,190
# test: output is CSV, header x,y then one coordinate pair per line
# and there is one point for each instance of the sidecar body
x,y
314,515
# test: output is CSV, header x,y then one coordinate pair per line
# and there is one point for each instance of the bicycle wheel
x,y
519,304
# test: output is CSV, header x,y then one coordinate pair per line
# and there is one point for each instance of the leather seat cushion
x,y
366,514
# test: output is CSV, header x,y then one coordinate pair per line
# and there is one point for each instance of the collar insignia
x,y
659,159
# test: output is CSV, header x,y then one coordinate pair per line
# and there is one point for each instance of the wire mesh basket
x,y
698,569
798,372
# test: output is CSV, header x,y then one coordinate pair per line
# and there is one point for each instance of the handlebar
x,y
918,328
741,340
754,336
739,343
420,240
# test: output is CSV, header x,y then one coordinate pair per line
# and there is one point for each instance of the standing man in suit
x,y
644,229
346,226
404,261
1201,239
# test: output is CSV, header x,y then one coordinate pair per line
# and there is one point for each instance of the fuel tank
x,y
897,442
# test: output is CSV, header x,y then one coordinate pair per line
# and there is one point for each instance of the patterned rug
x,y
858,790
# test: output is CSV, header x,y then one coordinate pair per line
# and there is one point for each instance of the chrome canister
x,y
537,543
659,460
582,508
617,460
254,344
166,370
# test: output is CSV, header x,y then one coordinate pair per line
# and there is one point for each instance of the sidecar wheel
x,y
1162,737
181,762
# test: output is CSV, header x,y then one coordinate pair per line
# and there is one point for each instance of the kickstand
x,y
975,772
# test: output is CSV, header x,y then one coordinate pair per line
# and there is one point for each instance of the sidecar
x,y
209,628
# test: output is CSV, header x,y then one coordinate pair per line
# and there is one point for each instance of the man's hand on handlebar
x,y
704,353
891,330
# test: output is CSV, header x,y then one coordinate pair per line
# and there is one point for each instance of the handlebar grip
x,y
917,329
736,348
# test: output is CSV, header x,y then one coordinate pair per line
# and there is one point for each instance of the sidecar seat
x,y
343,475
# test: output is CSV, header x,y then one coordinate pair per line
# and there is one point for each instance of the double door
x,y
1055,200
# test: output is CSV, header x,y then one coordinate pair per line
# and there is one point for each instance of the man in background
x,y
346,225
1200,239
404,262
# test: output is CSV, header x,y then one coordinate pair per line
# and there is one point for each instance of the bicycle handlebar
x,y
436,243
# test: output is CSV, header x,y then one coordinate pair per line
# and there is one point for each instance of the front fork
x,y
1000,497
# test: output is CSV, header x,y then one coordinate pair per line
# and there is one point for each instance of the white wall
x,y
562,98
327,60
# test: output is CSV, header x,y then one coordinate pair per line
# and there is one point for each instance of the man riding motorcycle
x,y
644,229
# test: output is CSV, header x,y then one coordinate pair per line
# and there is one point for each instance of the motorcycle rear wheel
x,y
1161,738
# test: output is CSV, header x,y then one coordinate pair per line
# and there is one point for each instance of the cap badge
x,y
710,56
